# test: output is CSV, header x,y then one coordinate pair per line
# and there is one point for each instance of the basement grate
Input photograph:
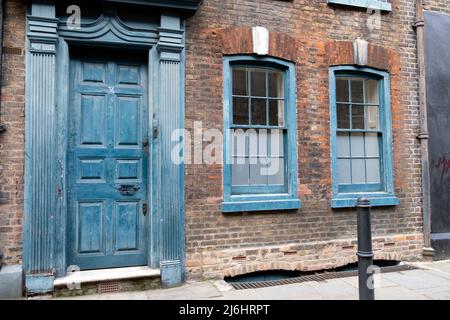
x,y
314,277
108,287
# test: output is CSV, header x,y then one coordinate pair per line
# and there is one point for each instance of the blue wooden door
x,y
107,162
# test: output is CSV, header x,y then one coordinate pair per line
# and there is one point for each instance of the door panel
x,y
107,162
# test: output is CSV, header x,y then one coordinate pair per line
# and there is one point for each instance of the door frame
x,y
63,103
49,38
69,127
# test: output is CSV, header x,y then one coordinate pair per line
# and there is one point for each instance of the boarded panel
x,y
437,43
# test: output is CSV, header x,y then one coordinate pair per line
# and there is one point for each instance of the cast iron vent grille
x,y
314,277
108,287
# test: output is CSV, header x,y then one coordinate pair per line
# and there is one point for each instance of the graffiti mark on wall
x,y
443,165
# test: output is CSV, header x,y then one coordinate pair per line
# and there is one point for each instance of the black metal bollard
x,y
365,254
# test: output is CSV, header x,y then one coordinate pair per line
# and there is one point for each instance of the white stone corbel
x,y
360,52
260,40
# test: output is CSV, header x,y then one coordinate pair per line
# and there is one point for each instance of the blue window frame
x,y
361,138
382,5
260,157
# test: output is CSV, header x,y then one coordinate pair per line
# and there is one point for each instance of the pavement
x,y
430,282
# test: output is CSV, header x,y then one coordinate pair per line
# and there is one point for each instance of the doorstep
x,y
107,281
102,275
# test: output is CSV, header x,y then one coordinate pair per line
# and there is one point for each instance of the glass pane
x,y
373,170
342,90
357,91
240,172
258,172
358,171
258,80
263,142
240,82
357,144
372,91
239,143
240,111
343,171
372,146
275,171
343,116
373,122
259,112
276,113
357,117
252,142
276,143
343,145
276,86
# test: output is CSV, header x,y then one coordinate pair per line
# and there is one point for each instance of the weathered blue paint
x,y
41,283
107,161
188,5
40,178
276,199
375,201
382,5
169,116
264,205
50,44
385,197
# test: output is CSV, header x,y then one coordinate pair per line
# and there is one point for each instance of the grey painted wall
x,y
437,52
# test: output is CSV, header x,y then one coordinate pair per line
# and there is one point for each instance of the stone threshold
x,y
103,275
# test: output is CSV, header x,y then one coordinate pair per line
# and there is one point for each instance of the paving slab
x,y
334,289
194,291
437,294
398,293
301,291
381,283
418,279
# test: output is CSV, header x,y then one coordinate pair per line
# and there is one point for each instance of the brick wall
x,y
12,141
438,5
315,236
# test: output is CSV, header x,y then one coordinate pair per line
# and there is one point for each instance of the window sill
x,y
261,205
372,4
349,201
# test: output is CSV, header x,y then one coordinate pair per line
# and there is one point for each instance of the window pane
x,y
252,142
357,117
276,86
343,116
276,112
357,91
258,112
275,171
357,144
343,145
240,172
258,172
372,91
263,142
240,111
373,170
342,90
372,146
240,82
358,171
258,80
239,143
343,171
373,122
276,146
